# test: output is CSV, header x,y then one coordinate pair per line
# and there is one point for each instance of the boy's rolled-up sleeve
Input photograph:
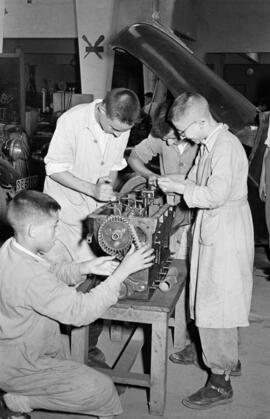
x,y
147,149
119,166
60,156
120,162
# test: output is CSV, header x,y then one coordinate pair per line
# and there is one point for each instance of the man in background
x,y
149,105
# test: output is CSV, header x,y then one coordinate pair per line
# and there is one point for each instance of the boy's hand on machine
x,y
168,185
136,260
104,190
153,180
104,265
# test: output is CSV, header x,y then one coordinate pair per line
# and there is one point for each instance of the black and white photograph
x,y
134,209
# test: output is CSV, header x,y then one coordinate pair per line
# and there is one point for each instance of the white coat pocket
x,y
209,227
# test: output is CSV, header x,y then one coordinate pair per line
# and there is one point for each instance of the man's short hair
x,y
122,104
188,103
30,206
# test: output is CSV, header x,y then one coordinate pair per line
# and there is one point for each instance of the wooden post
x,y
79,344
95,23
158,385
180,326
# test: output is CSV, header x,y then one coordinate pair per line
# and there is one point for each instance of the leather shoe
x,y
209,396
187,356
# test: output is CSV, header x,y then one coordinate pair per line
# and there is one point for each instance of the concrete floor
x,y
251,390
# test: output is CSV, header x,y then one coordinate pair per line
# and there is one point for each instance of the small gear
x,y
115,236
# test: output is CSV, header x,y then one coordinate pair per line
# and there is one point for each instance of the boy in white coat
x,y
223,243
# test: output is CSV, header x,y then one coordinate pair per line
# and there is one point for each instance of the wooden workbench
x,y
156,312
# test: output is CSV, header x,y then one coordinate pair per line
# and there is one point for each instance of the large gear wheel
x,y
115,236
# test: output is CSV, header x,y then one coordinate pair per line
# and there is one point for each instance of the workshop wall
x,y
214,25
233,26
97,22
208,26
75,19
40,19
48,63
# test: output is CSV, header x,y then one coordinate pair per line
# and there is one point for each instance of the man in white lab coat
x,y
85,154
223,242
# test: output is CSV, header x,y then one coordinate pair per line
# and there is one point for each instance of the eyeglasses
x,y
182,133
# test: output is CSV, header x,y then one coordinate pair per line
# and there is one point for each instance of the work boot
x,y
187,356
217,391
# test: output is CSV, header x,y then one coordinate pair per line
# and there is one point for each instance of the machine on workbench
x,y
141,216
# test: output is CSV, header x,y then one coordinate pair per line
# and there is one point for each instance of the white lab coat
x,y
223,240
80,146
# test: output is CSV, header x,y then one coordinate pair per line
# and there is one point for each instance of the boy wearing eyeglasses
x,y
222,252
176,156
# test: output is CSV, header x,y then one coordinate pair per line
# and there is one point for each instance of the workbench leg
x,y
79,344
158,379
116,331
180,322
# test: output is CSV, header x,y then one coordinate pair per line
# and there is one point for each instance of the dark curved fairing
x,y
163,53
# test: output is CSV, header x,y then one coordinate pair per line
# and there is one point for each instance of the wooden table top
x,y
159,300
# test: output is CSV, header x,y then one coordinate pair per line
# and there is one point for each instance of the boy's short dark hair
x,y
30,205
161,125
122,104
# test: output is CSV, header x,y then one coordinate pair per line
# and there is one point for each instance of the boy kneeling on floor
x,y
34,296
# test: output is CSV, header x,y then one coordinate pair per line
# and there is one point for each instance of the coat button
x,y
181,164
102,163
95,141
